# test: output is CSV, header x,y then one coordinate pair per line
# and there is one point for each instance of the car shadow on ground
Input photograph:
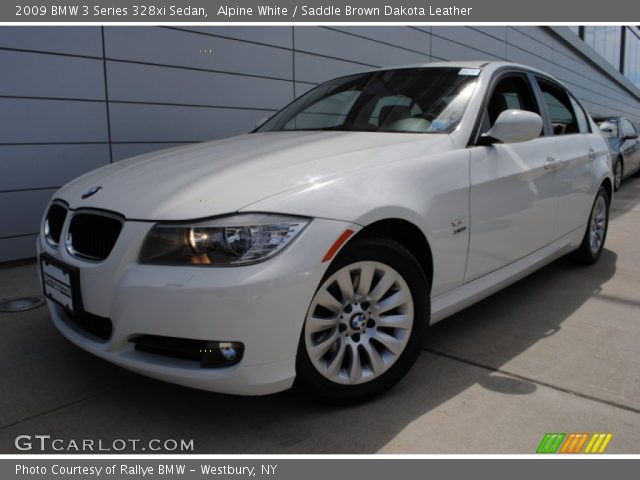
x,y
627,198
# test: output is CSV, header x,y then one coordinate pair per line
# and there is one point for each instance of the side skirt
x,y
465,295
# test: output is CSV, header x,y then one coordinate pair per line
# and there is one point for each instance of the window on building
x,y
631,68
606,41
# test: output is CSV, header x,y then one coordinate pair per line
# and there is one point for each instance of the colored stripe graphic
x,y
604,445
573,442
550,442
598,443
569,443
581,442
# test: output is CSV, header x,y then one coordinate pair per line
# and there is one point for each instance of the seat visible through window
x,y
497,105
393,113
513,92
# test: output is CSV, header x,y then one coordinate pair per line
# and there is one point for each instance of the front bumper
x,y
263,306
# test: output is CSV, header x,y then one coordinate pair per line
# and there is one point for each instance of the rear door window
x,y
564,120
581,116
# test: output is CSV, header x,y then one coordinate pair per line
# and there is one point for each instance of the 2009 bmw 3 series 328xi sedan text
x,y
319,247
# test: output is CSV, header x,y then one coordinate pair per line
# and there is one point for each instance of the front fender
x,y
429,191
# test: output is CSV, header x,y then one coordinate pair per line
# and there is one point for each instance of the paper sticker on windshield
x,y
473,72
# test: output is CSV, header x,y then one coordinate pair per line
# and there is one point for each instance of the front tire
x,y
596,234
366,323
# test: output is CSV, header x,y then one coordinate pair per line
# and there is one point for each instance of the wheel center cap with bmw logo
x,y
358,321
92,191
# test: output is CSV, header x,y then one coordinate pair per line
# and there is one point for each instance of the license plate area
x,y
61,283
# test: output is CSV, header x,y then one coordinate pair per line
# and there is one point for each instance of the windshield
x,y
609,128
410,100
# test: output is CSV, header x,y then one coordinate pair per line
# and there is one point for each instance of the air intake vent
x,y
209,354
54,222
93,235
99,327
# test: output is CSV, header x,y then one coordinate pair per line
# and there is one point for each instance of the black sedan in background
x,y
624,145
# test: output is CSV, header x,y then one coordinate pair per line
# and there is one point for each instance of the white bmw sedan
x,y
319,247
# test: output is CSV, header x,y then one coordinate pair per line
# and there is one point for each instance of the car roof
x,y
479,64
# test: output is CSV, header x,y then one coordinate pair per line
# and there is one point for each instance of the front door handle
x,y
551,163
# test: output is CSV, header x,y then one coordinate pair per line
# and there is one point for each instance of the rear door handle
x,y
551,163
592,154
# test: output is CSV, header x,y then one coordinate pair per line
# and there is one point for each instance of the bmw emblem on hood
x,y
91,191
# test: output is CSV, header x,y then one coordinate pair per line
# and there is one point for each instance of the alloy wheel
x,y
359,323
598,225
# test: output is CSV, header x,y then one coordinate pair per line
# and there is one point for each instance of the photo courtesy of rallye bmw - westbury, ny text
x,y
319,239
133,470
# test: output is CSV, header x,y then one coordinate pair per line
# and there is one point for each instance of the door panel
x,y
513,203
575,154
575,179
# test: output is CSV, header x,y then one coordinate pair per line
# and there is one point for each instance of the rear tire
x,y
597,227
366,323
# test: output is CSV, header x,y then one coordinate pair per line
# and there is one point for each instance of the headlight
x,y
235,240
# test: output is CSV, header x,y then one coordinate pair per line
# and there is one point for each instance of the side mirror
x,y
513,126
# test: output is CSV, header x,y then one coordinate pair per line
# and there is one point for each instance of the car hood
x,y
223,176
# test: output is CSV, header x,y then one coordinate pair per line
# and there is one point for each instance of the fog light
x,y
221,354
228,350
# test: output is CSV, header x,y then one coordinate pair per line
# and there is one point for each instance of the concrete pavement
x,y
557,352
